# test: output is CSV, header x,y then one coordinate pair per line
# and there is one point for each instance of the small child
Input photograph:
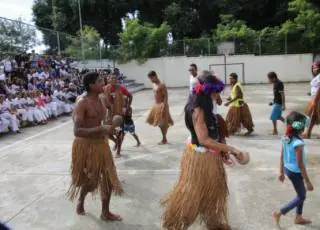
x,y
278,104
293,164
127,126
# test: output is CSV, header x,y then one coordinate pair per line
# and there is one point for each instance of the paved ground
x,y
35,172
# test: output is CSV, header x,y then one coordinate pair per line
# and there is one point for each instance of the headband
x,y
297,125
209,88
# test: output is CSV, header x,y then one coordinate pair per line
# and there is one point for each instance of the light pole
x,y
101,45
81,31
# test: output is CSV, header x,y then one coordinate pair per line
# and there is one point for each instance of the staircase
x,y
132,86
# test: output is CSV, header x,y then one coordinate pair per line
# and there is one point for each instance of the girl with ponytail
x,y
293,164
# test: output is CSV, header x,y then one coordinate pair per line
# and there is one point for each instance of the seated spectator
x,y
9,114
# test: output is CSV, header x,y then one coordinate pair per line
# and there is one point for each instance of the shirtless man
x,y
160,114
115,95
92,162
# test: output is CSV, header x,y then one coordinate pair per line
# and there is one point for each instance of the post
x,y
285,44
209,47
184,48
225,67
21,34
260,49
81,31
58,42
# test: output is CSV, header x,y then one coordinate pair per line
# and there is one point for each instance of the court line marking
x,y
36,135
126,171
50,130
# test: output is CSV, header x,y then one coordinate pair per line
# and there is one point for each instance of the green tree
x,y
16,36
231,29
302,32
141,41
91,39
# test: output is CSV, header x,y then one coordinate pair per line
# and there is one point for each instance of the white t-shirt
x,y
7,65
214,107
193,81
315,84
17,102
15,88
4,107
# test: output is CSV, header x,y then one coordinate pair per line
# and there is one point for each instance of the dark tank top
x,y
211,123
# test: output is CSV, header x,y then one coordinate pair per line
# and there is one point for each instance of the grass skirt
x,y
223,129
93,167
238,116
311,113
159,118
201,191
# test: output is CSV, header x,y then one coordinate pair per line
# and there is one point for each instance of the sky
x,y
13,9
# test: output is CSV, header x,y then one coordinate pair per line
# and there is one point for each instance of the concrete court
x,y
35,172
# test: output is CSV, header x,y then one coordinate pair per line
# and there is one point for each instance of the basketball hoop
x,y
225,48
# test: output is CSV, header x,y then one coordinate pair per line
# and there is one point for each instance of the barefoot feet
x,y
276,216
163,142
109,216
80,209
301,221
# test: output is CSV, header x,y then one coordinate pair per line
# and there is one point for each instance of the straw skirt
x,y
238,116
201,192
159,116
93,168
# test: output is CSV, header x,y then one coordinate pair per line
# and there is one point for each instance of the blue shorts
x,y
128,128
276,112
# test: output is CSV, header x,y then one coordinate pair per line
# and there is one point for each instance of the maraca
x,y
117,121
243,158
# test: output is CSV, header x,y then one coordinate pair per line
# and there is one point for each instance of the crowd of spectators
x,y
35,89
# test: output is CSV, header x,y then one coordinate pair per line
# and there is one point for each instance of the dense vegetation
x,y
256,26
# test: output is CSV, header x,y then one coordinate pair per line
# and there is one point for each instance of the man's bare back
x,y
159,92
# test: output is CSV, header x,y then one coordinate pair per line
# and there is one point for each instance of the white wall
x,y
174,70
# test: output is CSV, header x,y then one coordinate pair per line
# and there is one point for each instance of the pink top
x,y
40,102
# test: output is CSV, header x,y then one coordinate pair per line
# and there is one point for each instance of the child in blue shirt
x,y
293,164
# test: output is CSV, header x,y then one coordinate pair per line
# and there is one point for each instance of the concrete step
x,y
136,87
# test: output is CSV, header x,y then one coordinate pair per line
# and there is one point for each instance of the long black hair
x,y
202,99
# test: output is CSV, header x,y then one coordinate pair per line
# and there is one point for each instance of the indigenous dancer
x,y
313,109
92,163
279,102
202,189
115,95
293,164
239,112
160,114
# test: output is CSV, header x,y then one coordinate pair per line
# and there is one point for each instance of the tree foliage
x,y
256,26
16,37
91,44
141,41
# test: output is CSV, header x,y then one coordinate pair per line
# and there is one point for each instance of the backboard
x,y
226,48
